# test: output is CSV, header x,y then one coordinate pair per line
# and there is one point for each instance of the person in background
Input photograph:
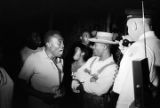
x,y
42,72
84,38
98,73
6,85
93,33
33,45
81,54
123,89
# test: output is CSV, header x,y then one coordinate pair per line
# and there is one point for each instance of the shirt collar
x,y
108,60
44,54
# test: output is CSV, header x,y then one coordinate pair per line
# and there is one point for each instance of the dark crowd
x,y
95,63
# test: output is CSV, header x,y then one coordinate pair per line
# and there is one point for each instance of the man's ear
x,y
105,46
135,26
48,45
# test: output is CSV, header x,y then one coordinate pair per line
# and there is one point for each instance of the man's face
x,y
133,29
98,49
56,45
130,27
85,37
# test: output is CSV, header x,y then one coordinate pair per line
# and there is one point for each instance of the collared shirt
x,y
124,81
26,52
104,79
41,71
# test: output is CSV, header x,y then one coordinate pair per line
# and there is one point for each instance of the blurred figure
x,y
81,54
97,75
94,33
6,86
6,89
138,28
43,73
33,45
84,38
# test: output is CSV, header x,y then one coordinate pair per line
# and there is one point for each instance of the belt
x,y
39,94
89,95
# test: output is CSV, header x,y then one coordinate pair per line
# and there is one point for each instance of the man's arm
x,y
27,69
103,83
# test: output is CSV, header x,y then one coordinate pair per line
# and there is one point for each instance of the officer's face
x,y
56,45
133,29
130,25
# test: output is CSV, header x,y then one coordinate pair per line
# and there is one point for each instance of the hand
x,y
75,85
122,48
58,94
76,91
55,89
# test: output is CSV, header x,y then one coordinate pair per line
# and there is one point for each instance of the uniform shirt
x,y
124,81
42,72
104,79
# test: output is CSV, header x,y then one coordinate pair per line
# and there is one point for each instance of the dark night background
x,y
21,17
18,18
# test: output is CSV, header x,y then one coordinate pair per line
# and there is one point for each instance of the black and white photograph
x,y
80,54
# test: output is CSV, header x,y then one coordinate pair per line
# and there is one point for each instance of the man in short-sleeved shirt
x,y
41,71
98,73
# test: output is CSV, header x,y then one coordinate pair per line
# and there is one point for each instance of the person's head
x,y
34,40
93,33
103,42
136,25
84,38
54,43
82,51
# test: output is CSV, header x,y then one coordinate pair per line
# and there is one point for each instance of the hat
x,y
103,37
137,13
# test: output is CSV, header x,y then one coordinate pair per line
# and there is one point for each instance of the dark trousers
x,y
94,101
34,102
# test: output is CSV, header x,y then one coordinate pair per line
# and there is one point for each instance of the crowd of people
x,y
91,75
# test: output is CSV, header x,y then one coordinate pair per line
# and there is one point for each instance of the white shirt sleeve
x,y
81,73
